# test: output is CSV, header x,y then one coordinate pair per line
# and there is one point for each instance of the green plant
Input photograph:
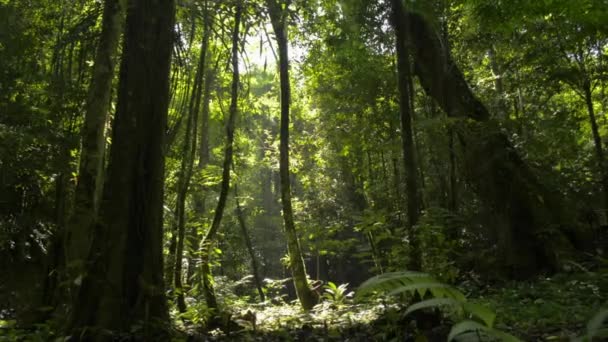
x,y
336,294
9,331
597,327
476,321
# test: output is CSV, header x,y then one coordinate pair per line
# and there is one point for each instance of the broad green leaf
x,y
391,281
481,312
465,327
432,303
417,286
595,324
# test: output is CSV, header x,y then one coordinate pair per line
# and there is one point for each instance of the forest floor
x,y
555,308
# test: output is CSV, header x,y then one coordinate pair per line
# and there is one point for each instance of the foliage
x,y
336,294
597,327
539,67
547,306
397,283
441,295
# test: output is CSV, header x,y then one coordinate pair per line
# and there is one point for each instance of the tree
x,y
228,156
278,17
188,155
124,283
254,261
90,174
406,107
504,180
203,152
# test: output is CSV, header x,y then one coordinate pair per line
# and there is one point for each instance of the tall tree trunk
x,y
254,261
296,262
188,155
453,191
199,195
407,135
597,141
493,167
203,149
184,111
72,241
88,188
124,283
228,154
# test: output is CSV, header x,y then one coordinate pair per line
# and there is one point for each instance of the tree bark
x,y
203,149
124,286
254,260
200,196
597,141
90,171
453,191
406,100
535,218
188,155
228,154
296,261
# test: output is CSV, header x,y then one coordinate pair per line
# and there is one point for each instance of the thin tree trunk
x,y
124,283
254,261
376,257
228,154
409,150
181,304
183,108
203,149
597,141
188,155
199,197
396,183
298,269
453,196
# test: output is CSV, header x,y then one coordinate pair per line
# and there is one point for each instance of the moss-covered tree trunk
x,y
123,288
406,106
296,262
533,219
228,155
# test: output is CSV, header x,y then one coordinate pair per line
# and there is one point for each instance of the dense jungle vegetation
x,y
291,170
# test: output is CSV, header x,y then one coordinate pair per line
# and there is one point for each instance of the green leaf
x,y
503,336
394,283
7,324
432,303
595,324
481,312
465,327
418,286
391,281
